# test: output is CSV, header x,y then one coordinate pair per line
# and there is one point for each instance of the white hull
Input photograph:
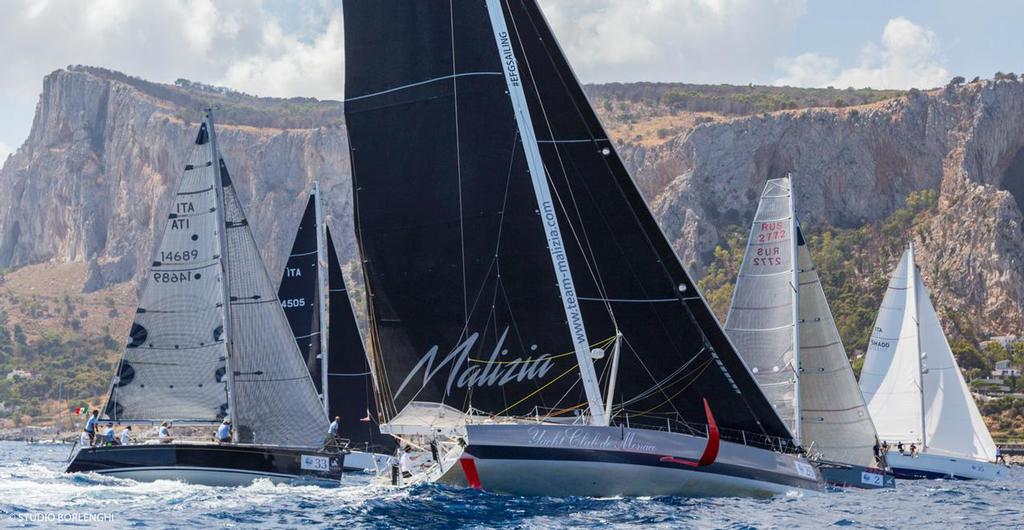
x,y
556,460
927,465
369,462
210,476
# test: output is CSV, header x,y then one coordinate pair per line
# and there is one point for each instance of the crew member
x,y
224,432
164,433
90,426
332,430
108,435
126,435
406,462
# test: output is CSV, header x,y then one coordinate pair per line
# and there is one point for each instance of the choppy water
x,y
35,493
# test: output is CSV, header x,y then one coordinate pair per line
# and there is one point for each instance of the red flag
x,y
81,410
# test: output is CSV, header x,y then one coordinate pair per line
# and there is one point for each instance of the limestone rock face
x,y
858,165
92,183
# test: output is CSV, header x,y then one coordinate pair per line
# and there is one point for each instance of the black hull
x,y
211,464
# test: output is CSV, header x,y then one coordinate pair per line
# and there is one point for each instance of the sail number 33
x,y
315,463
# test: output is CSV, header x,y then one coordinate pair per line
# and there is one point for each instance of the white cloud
x,y
907,56
238,43
698,41
286,66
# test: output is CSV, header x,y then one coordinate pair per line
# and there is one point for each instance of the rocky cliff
x,y
91,182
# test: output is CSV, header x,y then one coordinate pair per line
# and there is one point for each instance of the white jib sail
x,y
760,322
953,424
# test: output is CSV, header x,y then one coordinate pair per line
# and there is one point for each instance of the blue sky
x,y
294,47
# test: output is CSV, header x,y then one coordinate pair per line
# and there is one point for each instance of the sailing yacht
x,y
777,327
532,330
323,322
916,393
209,341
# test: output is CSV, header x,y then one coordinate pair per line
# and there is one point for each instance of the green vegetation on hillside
x,y
54,365
667,98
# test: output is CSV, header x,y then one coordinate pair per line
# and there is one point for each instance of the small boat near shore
x,y
210,341
532,330
783,328
916,392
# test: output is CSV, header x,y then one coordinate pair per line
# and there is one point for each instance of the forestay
x,y
173,364
466,307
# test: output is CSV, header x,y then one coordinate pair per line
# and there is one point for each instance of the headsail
x,y
833,413
349,381
299,294
276,400
953,424
466,306
173,365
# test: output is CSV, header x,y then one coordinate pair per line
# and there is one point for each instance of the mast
x,y
912,300
549,216
798,435
321,294
224,277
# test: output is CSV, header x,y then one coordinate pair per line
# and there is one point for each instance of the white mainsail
x,y
911,379
822,401
173,365
760,322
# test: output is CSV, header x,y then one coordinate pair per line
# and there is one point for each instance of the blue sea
x,y
35,493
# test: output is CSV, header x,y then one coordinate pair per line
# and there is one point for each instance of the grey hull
x,y
555,460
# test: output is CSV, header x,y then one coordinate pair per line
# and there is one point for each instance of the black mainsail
x,y
209,338
506,249
349,380
299,292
